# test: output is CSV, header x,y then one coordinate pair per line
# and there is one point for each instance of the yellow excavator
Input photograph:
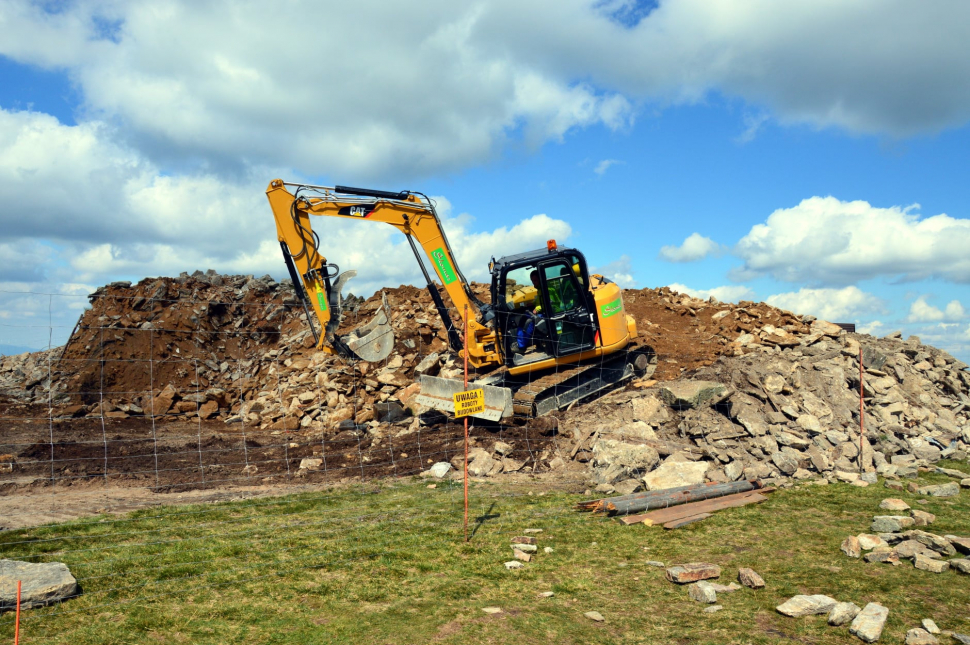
x,y
552,334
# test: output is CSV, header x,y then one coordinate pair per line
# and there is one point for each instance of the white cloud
x,y
921,311
695,247
727,293
828,241
604,165
874,328
752,125
619,271
416,88
836,305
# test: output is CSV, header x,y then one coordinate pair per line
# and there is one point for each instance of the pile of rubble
x,y
769,394
785,410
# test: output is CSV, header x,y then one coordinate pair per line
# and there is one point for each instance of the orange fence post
x,y
465,342
16,629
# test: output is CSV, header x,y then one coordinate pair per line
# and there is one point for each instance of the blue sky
x,y
810,154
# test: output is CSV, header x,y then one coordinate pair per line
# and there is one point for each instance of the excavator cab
x,y
542,305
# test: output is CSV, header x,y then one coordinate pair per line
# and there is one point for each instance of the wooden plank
x,y
665,515
676,524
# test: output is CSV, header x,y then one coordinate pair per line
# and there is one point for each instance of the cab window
x,y
563,292
520,292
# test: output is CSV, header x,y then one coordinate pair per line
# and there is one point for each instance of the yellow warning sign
x,y
469,402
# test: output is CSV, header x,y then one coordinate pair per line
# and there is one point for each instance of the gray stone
x,y
671,474
961,544
950,489
928,564
810,423
937,543
868,625
692,572
702,592
785,462
712,609
891,523
922,518
806,605
683,395
919,636
41,584
912,548
930,626
513,564
628,486
851,547
619,460
868,542
310,463
960,638
750,578
594,615
950,472
526,548
501,448
440,469
961,564
428,366
893,504
843,613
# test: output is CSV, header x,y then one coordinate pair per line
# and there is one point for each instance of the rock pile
x,y
788,410
896,540
767,394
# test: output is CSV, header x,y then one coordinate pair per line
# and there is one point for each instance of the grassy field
x,y
386,563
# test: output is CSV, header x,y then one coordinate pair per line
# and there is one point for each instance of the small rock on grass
x,y
749,578
525,548
961,638
930,625
940,490
547,549
547,594
655,563
702,591
851,547
868,542
868,624
519,555
920,636
492,610
524,540
712,609
802,605
513,564
843,613
928,564
893,504
532,530
962,565
594,615
922,518
692,572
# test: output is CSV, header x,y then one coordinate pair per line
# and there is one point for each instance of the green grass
x,y
388,565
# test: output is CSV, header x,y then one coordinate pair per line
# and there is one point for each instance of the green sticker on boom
x,y
321,299
611,308
445,269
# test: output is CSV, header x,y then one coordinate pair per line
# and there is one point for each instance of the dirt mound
x,y
232,359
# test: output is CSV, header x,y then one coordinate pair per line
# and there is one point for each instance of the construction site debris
x,y
639,502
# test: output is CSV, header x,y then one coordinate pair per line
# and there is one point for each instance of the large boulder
x,y
615,460
672,474
41,584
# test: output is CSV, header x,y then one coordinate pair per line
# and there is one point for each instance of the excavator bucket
x,y
374,341
438,393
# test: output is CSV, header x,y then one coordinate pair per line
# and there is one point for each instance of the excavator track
x,y
566,386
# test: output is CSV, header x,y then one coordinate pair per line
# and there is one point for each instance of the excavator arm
x,y
319,282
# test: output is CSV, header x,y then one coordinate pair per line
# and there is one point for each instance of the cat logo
x,y
363,210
